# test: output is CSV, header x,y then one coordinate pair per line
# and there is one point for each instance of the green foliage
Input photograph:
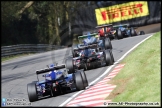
x,y
37,23
139,80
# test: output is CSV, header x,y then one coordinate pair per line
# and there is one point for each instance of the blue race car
x,y
126,31
91,39
56,82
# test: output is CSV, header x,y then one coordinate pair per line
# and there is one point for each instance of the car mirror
x,y
65,73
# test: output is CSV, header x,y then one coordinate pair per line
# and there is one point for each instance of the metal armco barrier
x,y
27,48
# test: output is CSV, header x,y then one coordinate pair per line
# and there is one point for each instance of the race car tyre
x,y
32,92
85,81
72,50
78,81
108,44
69,65
133,32
108,57
141,33
112,56
119,34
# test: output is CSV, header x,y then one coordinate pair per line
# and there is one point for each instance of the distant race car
x,y
90,39
126,31
90,59
106,31
88,56
56,82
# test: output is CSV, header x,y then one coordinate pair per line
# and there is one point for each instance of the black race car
x,y
89,58
91,39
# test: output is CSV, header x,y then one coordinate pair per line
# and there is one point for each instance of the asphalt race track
x,y
16,74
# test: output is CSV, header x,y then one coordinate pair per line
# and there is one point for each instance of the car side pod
x,y
108,56
32,92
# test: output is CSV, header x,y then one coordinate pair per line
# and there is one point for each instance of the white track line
x,y
108,69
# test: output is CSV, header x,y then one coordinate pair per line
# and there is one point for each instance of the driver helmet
x,y
120,26
89,35
108,29
101,32
97,36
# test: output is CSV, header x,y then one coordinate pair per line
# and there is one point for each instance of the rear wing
x,y
80,38
106,25
123,25
50,69
85,36
83,47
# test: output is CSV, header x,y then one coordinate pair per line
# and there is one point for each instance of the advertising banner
x,y
121,12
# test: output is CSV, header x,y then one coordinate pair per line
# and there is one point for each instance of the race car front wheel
x,y
78,81
108,57
32,92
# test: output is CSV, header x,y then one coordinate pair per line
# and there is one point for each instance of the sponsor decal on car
x,y
121,12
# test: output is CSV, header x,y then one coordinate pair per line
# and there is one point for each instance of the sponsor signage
x,y
121,12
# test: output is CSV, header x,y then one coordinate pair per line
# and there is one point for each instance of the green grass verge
x,y
139,80
3,59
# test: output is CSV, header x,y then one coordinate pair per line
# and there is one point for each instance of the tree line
x,y
36,22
